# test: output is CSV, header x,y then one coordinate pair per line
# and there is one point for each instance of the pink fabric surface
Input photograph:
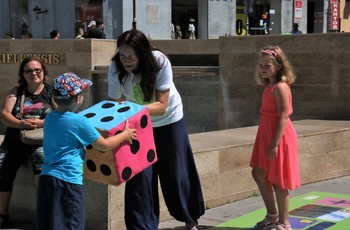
x,y
125,161
130,159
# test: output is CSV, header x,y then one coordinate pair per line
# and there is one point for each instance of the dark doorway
x,y
310,17
182,11
259,19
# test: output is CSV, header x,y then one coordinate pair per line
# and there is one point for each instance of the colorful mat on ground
x,y
312,211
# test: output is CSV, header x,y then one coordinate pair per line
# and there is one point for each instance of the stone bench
x,y
222,159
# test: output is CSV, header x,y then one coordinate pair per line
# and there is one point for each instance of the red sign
x,y
298,10
334,20
334,1
298,4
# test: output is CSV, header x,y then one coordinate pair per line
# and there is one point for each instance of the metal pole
x,y
247,23
134,14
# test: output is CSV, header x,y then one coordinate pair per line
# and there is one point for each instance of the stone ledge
x,y
242,136
222,159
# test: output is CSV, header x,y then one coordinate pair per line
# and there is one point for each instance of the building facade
x,y
159,19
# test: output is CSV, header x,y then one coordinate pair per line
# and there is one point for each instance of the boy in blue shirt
x,y
60,198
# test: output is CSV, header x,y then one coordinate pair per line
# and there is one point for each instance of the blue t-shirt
x,y
66,134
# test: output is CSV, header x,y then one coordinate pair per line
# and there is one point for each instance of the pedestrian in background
x,y
178,32
29,36
172,31
191,29
80,34
275,154
55,34
97,32
296,29
92,25
9,36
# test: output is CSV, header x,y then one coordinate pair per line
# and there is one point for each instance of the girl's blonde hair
x,y
285,74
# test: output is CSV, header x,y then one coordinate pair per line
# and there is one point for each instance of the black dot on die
x,y
105,170
107,105
135,146
124,109
91,165
151,155
144,121
90,115
126,174
107,119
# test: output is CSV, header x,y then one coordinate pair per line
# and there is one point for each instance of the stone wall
x,y
218,71
323,76
321,64
218,96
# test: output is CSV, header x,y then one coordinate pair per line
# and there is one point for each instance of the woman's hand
x,y
33,123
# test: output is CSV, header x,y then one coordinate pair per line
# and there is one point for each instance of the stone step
x,y
222,159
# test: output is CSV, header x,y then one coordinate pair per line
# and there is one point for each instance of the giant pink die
x,y
125,161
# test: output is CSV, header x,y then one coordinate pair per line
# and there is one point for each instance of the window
x,y
86,11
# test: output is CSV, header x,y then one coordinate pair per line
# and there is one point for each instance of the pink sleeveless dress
x,y
284,170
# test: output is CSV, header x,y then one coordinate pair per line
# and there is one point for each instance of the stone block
x,y
235,160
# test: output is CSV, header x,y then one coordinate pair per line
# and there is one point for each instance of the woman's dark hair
x,y
147,66
25,61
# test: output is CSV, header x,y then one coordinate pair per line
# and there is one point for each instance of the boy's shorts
x,y
60,204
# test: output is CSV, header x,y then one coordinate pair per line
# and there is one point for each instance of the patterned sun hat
x,y
69,84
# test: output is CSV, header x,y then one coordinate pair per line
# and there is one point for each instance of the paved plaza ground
x,y
224,213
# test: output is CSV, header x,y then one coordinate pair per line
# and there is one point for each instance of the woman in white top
x,y
143,75
191,29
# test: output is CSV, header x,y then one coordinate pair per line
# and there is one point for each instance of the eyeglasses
x,y
30,71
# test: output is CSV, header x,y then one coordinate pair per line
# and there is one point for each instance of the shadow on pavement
x,y
202,227
20,225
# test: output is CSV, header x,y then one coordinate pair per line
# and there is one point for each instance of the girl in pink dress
x,y
275,155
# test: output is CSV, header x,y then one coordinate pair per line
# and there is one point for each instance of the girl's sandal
x,y
4,220
268,222
280,226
